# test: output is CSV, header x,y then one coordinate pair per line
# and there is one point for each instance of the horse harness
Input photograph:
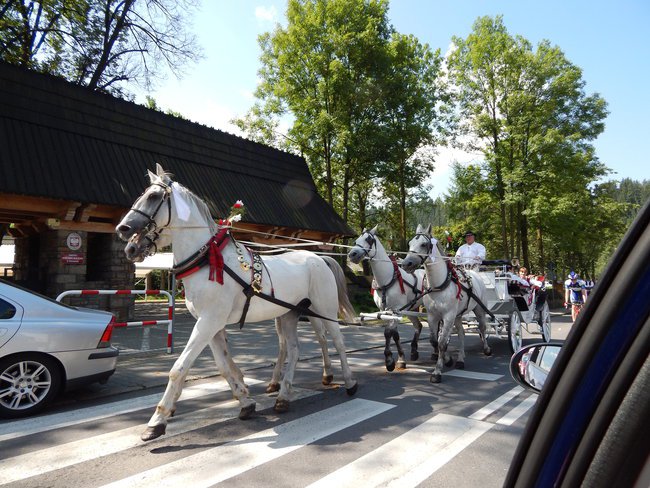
x,y
151,227
397,277
210,253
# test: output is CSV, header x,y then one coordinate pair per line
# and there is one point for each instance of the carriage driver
x,y
471,254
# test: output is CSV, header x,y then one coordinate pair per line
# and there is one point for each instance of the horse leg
x,y
388,355
233,375
319,330
333,330
460,362
434,339
482,329
158,422
417,325
401,363
288,324
274,384
443,342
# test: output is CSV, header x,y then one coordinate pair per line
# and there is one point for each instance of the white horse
x,y
224,283
396,290
451,293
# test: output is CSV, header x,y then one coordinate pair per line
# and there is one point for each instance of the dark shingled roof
x,y
59,140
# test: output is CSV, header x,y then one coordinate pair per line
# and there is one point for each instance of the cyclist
x,y
575,294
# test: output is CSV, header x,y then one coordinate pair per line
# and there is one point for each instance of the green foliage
x,y
101,44
363,99
527,111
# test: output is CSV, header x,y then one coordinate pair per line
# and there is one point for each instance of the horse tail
x,y
346,310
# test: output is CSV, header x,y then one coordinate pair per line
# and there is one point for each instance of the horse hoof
x,y
434,357
247,412
281,405
414,356
401,364
460,364
487,352
436,378
390,365
327,380
273,387
449,362
153,432
353,389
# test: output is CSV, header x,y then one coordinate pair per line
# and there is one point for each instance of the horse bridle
x,y
429,246
151,228
372,242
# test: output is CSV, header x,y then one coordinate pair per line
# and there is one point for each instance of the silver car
x,y
47,347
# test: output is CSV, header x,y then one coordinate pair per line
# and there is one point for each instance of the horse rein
x,y
372,242
151,227
429,246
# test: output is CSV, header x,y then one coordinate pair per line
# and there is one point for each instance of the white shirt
x,y
470,254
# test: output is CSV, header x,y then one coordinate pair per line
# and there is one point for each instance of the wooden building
x,y
72,161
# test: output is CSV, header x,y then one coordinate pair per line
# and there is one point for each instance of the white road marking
x,y
461,373
493,406
473,375
249,452
21,467
21,428
512,416
410,458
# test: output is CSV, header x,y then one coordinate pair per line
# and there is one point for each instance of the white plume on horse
x,y
215,296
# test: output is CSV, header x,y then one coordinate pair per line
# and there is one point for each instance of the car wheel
x,y
514,332
28,383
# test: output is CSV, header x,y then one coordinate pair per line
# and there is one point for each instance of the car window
x,y
548,358
7,310
14,285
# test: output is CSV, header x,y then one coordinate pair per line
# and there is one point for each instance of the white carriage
x,y
513,308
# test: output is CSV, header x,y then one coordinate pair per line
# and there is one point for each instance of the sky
x,y
608,40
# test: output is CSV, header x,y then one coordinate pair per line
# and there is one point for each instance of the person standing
x,y
575,294
471,254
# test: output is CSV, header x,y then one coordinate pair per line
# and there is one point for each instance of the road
x,y
398,430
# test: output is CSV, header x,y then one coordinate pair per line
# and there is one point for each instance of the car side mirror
x,y
530,365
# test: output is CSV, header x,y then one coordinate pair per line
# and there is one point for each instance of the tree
x,y
528,111
102,44
350,84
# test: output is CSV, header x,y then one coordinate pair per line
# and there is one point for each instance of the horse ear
x,y
365,229
428,230
152,176
373,231
159,170
419,229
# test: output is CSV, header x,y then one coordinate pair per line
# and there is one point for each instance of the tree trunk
x,y
109,41
402,209
540,246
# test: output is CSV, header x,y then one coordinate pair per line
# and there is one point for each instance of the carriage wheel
x,y
514,332
545,322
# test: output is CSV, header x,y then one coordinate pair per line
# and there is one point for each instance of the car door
x,y
11,317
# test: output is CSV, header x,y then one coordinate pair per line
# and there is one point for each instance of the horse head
x,y
365,247
142,226
420,248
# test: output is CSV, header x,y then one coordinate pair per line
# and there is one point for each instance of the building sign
x,y
72,258
73,241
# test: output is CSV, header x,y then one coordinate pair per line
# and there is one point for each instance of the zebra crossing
x,y
52,450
